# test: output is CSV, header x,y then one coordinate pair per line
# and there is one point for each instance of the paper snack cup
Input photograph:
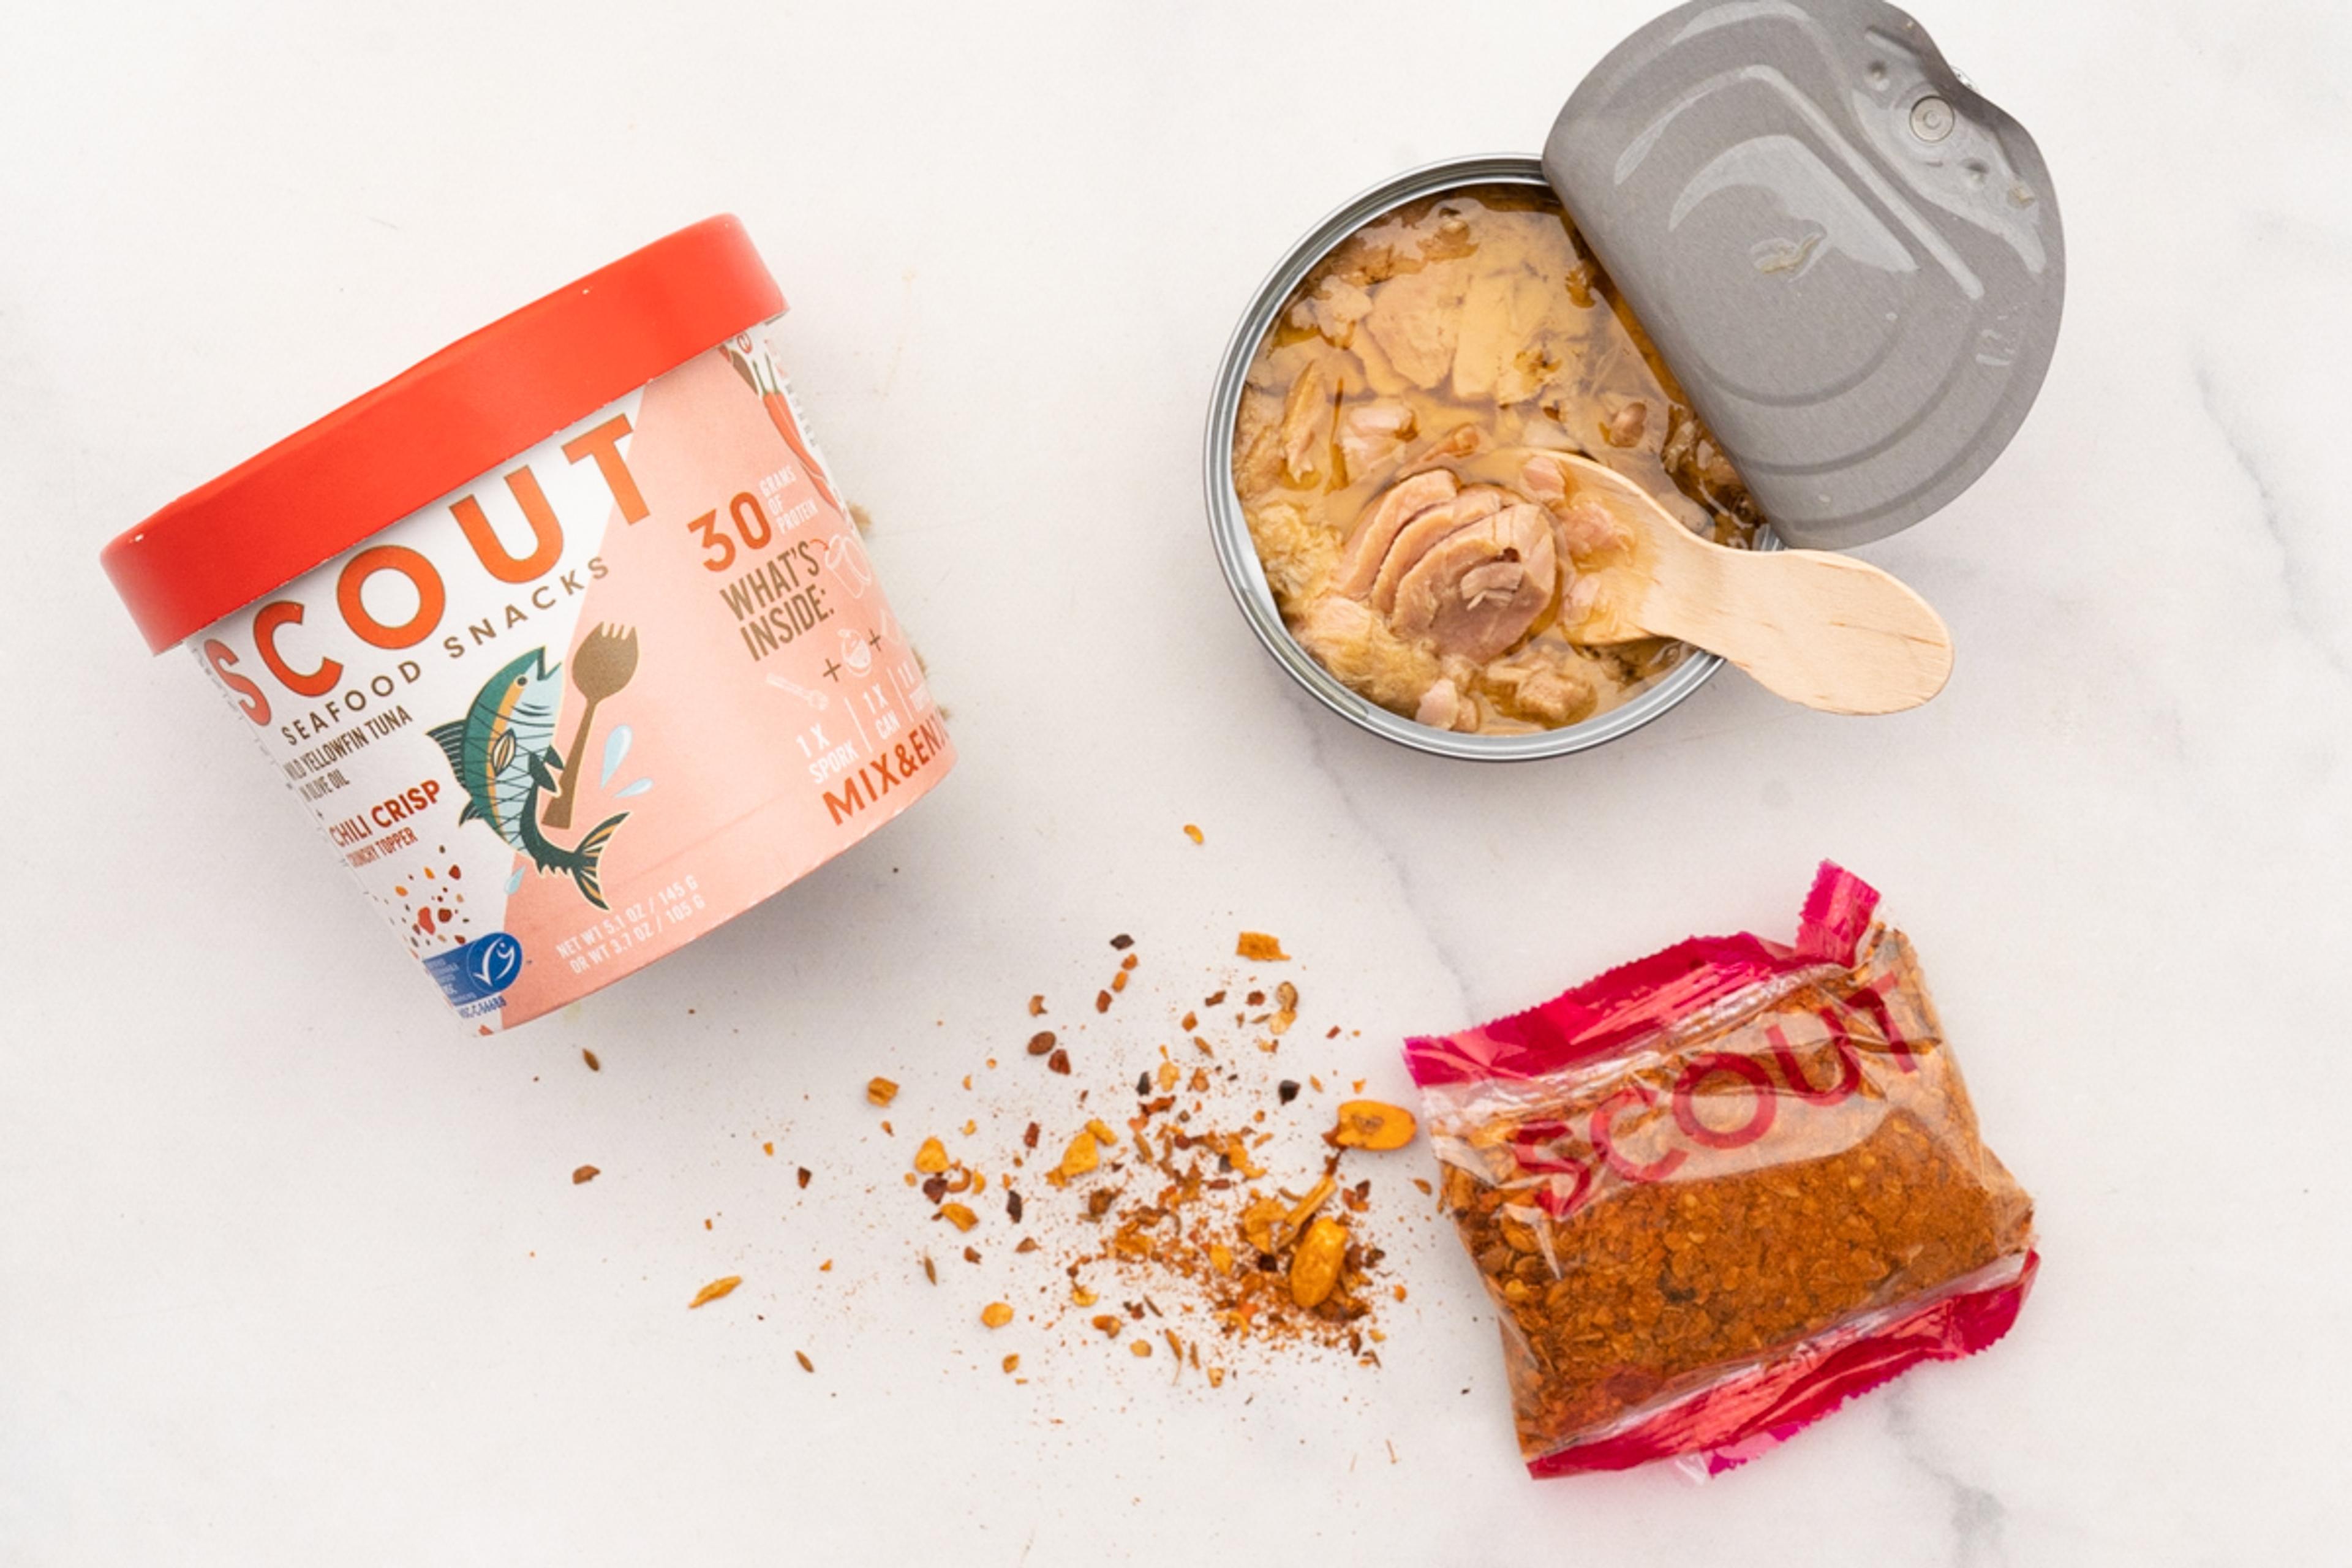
x,y
563,636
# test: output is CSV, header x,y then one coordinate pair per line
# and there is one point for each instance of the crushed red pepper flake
x,y
1260,948
1040,1042
1102,1000
584,1173
1192,832
714,1291
1058,1062
801,1176
806,1364
589,1057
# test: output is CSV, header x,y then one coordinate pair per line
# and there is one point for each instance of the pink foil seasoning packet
x,y
1718,1191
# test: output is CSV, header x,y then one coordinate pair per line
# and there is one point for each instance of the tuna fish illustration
x,y
503,753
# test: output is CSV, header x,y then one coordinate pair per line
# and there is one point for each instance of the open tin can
x,y
1850,261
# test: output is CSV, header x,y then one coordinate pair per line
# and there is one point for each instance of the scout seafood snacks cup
x,y
564,636
1778,266
1719,1191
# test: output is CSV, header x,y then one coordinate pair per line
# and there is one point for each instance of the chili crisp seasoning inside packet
x,y
1720,1190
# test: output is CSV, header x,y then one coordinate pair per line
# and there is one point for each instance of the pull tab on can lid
x,y
1850,259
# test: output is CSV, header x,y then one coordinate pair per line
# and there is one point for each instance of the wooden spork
x,y
1816,627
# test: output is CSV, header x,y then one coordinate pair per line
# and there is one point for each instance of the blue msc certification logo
x,y
477,970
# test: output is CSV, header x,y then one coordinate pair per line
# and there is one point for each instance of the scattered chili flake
x,y
769,1150
1040,1042
1192,832
1176,1201
715,1289
1012,1363
935,1188
881,1092
930,1269
806,1364
1119,980
1037,1006
1139,1348
1287,1090
1370,1124
801,1176
1080,1157
996,1314
1102,1000
932,1157
585,1173
1122,942
589,1057
1260,948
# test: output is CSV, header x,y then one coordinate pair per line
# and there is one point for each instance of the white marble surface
x,y
290,1269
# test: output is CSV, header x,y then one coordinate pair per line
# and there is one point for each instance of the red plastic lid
x,y
482,400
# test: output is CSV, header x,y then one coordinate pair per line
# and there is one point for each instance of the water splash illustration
x,y
616,749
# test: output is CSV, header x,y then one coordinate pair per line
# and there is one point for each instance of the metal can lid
x,y
1850,259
